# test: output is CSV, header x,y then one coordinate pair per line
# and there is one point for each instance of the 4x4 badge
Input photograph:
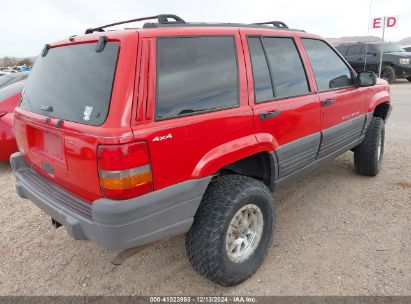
x,y
160,138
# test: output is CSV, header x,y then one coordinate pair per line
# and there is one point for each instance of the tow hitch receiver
x,y
55,223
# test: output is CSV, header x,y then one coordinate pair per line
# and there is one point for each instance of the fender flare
x,y
233,151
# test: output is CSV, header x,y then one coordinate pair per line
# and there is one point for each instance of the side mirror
x,y
366,79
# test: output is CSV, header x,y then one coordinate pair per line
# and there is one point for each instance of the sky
x,y
25,26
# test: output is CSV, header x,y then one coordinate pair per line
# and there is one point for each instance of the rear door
x,y
194,87
286,111
342,103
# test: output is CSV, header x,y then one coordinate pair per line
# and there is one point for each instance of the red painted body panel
x,y
201,144
378,94
7,141
349,103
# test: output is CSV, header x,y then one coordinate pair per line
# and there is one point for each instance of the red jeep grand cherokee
x,y
131,136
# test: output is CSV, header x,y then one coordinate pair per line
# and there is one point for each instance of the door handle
x,y
327,102
268,115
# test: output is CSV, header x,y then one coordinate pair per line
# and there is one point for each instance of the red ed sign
x,y
391,21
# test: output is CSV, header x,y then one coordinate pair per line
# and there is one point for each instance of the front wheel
x,y
409,78
369,154
232,229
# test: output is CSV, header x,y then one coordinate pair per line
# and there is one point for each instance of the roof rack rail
x,y
162,19
277,24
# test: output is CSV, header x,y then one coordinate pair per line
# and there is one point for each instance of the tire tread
x,y
205,236
365,160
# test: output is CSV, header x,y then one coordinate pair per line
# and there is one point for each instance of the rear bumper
x,y
113,224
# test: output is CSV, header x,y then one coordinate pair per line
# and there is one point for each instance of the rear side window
x,y
329,70
195,74
276,64
73,83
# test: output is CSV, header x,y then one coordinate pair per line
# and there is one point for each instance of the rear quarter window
x,y
195,75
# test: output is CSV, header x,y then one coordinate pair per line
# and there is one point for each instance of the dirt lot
x,y
337,234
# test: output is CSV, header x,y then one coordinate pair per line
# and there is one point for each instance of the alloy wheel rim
x,y
244,233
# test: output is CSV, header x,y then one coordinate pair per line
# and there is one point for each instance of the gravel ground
x,y
337,234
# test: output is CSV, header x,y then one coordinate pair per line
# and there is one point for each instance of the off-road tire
x,y
409,78
366,158
205,242
388,73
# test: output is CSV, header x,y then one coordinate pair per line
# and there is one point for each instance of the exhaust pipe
x,y
55,223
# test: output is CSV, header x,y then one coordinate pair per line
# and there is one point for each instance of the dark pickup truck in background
x,y
396,62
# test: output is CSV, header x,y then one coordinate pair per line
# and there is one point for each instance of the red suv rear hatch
x,y
64,113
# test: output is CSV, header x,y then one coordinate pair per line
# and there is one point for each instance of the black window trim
x,y
261,37
352,72
205,111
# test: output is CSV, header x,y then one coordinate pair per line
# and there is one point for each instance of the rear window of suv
x,y
73,83
195,75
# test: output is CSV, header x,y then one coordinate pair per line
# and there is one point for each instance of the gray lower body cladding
x,y
113,224
297,154
306,154
341,135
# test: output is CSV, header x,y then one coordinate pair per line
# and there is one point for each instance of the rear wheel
x,y
369,154
388,74
232,230
409,78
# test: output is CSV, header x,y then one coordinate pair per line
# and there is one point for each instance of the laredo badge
x,y
87,112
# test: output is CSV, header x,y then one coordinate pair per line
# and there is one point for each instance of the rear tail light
x,y
124,170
